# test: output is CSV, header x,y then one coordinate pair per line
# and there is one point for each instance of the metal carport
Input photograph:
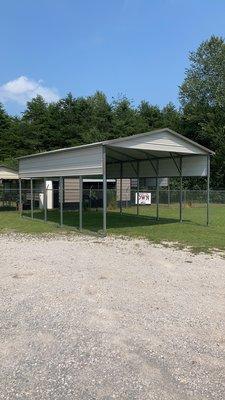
x,y
155,154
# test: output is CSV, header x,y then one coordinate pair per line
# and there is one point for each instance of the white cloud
x,y
24,89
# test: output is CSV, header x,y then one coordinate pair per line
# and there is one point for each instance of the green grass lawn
x,y
192,232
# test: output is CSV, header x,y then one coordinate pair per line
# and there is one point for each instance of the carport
x,y
8,185
156,154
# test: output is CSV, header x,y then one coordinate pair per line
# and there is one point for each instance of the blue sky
x,y
135,47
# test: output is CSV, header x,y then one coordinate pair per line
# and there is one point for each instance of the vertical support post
x,y
208,188
157,192
61,199
20,197
80,203
181,191
104,188
121,187
45,200
31,198
138,186
168,191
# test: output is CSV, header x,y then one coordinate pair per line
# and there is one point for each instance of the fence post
x,y
208,188
80,203
138,187
185,196
45,200
157,192
31,198
104,188
181,191
168,192
61,199
20,197
121,187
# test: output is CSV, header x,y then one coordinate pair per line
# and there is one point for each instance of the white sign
x,y
144,198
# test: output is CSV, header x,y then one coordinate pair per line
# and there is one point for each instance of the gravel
x,y
105,318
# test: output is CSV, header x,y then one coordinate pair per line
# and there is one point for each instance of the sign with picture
x,y
144,198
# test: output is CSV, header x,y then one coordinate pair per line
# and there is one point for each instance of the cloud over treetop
x,y
23,89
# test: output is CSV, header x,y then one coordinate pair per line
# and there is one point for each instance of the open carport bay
x,y
92,318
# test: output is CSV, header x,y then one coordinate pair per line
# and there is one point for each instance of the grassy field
x,y
192,232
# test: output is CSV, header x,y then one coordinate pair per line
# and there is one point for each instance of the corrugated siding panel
x,y
195,166
192,166
168,168
130,170
71,190
163,182
113,171
75,162
164,141
125,189
146,169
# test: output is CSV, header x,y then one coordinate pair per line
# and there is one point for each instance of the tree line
x,y
74,121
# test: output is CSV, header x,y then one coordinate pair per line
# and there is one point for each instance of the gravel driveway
x,y
89,318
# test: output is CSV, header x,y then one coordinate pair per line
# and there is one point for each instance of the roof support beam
x,y
175,162
135,169
148,154
159,158
123,154
113,158
150,160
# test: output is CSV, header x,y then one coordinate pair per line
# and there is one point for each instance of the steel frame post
x,y
20,197
157,192
31,198
80,203
104,189
61,199
45,200
181,191
208,189
138,186
121,188
168,193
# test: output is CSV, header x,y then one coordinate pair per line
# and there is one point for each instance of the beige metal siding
x,y
71,190
74,162
125,189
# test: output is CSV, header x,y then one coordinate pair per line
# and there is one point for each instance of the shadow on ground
x,y
92,220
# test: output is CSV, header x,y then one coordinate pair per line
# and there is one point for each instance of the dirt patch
x,y
111,318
